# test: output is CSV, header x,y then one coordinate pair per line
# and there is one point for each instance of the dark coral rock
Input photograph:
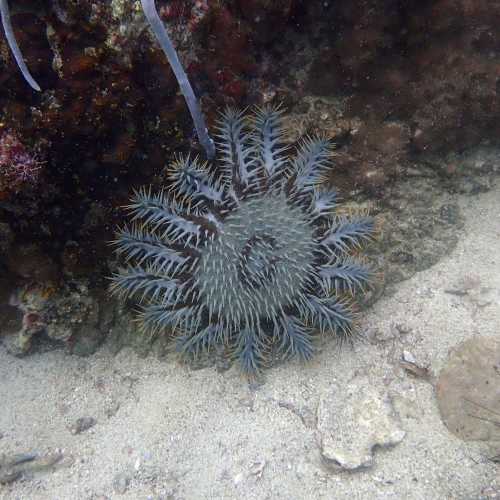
x,y
32,263
267,18
375,154
428,65
6,238
109,106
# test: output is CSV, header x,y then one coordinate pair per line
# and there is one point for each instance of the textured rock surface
x,y
352,422
68,315
468,390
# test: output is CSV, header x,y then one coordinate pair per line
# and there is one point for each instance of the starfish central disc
x,y
259,262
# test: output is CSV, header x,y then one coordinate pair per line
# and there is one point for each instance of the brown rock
x,y
468,390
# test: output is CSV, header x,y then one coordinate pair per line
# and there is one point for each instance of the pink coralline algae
x,y
180,10
18,165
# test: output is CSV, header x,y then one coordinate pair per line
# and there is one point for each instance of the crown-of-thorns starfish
x,y
250,253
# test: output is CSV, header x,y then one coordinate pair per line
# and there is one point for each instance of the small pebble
x,y
82,424
409,357
121,482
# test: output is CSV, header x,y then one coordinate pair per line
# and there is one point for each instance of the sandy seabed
x,y
163,431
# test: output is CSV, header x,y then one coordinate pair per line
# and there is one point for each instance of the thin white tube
x,y
14,47
161,35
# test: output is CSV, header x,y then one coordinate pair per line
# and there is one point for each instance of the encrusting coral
x,y
151,14
252,254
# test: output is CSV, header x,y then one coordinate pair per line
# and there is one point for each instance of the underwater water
x,y
249,249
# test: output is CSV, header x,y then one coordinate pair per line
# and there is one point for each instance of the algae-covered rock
x,y
68,315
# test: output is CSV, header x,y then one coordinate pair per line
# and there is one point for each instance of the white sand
x,y
184,434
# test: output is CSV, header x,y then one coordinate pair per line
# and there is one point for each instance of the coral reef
x,y
257,258
401,88
109,107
